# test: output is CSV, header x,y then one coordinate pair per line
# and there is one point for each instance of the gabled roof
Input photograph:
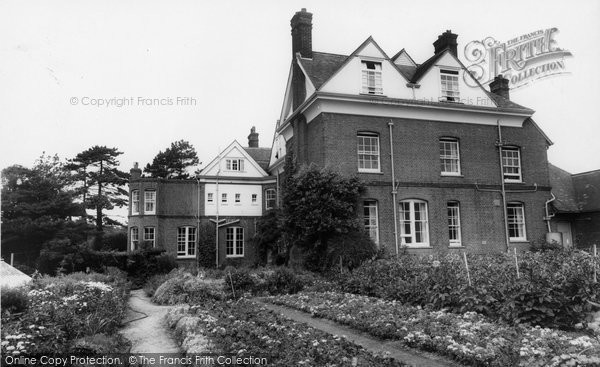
x,y
424,67
235,145
401,52
322,66
12,277
587,190
262,156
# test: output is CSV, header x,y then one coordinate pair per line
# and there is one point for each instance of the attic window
x,y
449,81
234,165
371,77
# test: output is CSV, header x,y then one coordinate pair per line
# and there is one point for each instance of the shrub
x,y
114,241
206,246
14,299
353,248
181,287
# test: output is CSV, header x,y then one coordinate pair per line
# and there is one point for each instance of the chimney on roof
x,y
302,33
253,138
135,172
446,40
500,86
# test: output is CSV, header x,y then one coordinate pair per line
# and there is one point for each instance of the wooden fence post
x,y
467,266
516,263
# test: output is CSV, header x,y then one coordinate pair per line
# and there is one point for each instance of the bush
x,y
14,299
114,241
280,280
553,289
206,246
353,248
181,287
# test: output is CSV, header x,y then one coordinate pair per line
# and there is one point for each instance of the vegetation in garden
x,y
553,289
245,329
468,337
68,314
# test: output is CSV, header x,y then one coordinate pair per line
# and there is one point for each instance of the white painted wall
x,y
244,208
235,151
404,60
431,88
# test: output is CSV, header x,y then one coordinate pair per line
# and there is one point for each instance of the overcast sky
x,y
233,58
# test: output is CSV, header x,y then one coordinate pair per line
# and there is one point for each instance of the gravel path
x,y
396,349
145,326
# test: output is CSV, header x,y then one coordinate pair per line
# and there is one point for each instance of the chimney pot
x,y
446,40
500,86
302,33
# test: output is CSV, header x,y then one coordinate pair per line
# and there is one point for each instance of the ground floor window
x,y
234,241
135,238
414,229
371,220
149,235
453,209
515,214
186,241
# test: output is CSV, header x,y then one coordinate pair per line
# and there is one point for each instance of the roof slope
x,y
322,66
587,190
262,156
562,188
11,276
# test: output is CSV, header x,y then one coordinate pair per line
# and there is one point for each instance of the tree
x,y
172,163
319,203
97,168
37,206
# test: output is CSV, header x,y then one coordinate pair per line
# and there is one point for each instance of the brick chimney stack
x,y
253,138
500,86
302,34
135,172
446,40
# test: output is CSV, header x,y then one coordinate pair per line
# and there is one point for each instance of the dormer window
x,y
234,165
371,77
449,81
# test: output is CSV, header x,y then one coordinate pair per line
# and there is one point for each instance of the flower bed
x,y
65,314
246,329
553,289
469,337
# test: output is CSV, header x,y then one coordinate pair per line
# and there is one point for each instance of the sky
x,y
229,60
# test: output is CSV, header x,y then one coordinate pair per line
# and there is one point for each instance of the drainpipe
x,y
217,203
503,190
548,216
394,189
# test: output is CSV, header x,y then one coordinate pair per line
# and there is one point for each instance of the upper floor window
x,y
234,242
254,198
224,198
234,164
511,164
453,209
368,152
210,198
449,81
370,218
149,235
515,216
371,77
149,202
135,238
135,202
449,157
270,199
238,198
186,241
414,229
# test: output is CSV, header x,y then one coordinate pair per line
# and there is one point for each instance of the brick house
x,y
447,164
234,190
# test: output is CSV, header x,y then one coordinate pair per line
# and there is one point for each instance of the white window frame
x,y
372,82
449,85
446,160
186,242
362,153
511,177
135,238
238,198
224,198
371,219
516,221
150,201
453,211
254,199
412,223
270,199
234,164
150,235
234,240
210,197
135,202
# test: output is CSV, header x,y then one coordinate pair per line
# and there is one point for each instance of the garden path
x,y
145,326
396,349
